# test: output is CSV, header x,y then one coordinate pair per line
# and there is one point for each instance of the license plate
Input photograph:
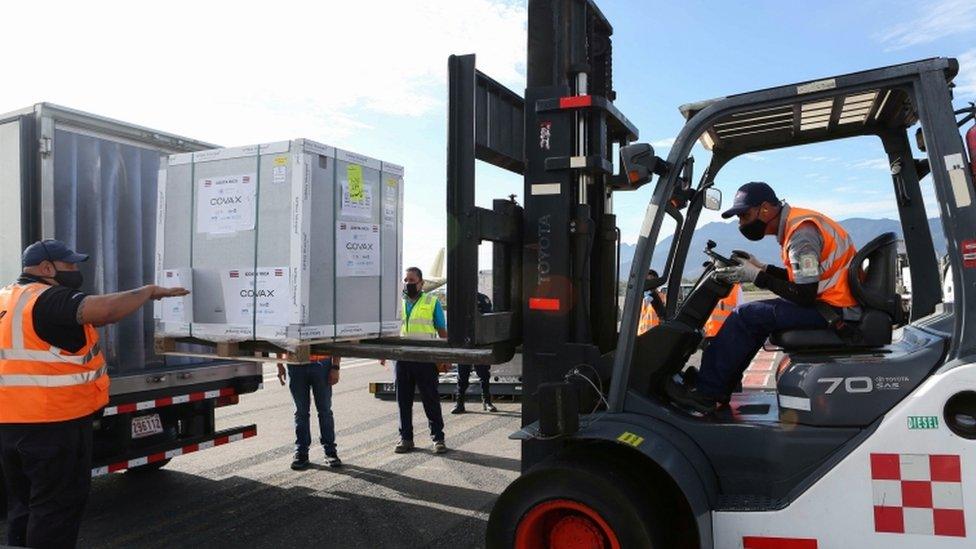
x,y
145,426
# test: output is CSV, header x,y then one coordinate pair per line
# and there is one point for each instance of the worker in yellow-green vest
x,y
423,318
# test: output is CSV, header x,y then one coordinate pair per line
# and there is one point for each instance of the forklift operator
x,y
812,288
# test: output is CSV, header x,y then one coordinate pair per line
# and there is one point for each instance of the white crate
x,y
286,242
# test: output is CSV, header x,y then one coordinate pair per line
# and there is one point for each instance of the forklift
x,y
865,441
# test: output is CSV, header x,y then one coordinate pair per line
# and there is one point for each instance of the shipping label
x,y
260,296
357,249
226,204
176,309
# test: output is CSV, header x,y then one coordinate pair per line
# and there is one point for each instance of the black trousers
x,y
422,377
484,375
47,472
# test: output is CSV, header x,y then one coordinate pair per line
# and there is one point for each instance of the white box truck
x,y
92,183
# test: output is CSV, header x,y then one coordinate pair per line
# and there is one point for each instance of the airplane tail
x,y
437,268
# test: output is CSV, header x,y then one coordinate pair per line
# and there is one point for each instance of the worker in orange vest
x,y
722,311
652,307
811,287
53,381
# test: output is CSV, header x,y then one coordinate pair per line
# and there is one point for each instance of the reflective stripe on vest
x,y
419,324
39,383
648,316
835,257
722,311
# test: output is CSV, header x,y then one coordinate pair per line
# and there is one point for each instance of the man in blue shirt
x,y
316,377
423,318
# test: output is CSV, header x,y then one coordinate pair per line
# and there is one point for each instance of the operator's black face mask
x,y
754,230
69,279
412,290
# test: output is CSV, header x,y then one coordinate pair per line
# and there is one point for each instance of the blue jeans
x,y
423,377
314,378
741,337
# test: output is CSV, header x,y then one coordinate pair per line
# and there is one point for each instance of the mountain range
x,y
728,238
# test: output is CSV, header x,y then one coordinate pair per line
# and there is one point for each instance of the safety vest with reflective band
x,y
648,316
419,323
838,251
722,311
40,383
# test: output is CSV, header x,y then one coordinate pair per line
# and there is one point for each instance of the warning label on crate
x,y
226,204
357,203
357,249
261,296
390,203
279,175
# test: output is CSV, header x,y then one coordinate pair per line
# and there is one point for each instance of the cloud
x,y
966,80
755,157
246,72
663,143
870,164
931,22
807,158
843,209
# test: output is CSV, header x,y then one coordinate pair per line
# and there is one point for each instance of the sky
x,y
371,77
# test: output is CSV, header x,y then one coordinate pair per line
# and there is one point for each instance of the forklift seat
x,y
874,289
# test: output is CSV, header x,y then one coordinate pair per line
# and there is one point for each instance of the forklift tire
x,y
149,467
570,503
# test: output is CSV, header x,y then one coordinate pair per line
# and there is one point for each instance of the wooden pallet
x,y
249,351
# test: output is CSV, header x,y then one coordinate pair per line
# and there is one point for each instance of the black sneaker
x,y
404,446
332,460
458,407
689,397
300,463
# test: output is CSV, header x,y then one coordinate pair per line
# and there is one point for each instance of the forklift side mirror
x,y
713,199
638,163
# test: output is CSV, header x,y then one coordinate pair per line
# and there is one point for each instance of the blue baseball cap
x,y
750,195
50,250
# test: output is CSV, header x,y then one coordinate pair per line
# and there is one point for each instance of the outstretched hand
x,y
159,292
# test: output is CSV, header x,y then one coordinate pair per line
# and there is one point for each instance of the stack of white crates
x,y
288,242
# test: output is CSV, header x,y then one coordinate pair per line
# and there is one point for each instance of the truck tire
x,y
149,467
573,503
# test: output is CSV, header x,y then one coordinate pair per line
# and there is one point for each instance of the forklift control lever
x,y
719,258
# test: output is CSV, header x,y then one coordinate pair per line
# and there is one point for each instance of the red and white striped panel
x,y
166,401
761,373
190,448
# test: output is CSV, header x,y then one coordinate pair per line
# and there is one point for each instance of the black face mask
x,y
754,230
412,290
69,279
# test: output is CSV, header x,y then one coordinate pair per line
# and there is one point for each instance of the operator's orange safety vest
x,y
648,316
838,251
722,311
40,383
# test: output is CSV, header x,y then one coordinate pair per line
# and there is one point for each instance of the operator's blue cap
x,y
50,250
749,196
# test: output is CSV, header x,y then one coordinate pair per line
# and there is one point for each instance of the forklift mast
x,y
555,259
570,234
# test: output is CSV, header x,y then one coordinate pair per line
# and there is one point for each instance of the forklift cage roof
x,y
883,102
855,104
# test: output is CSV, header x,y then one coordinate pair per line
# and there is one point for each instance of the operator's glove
x,y
746,256
744,271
